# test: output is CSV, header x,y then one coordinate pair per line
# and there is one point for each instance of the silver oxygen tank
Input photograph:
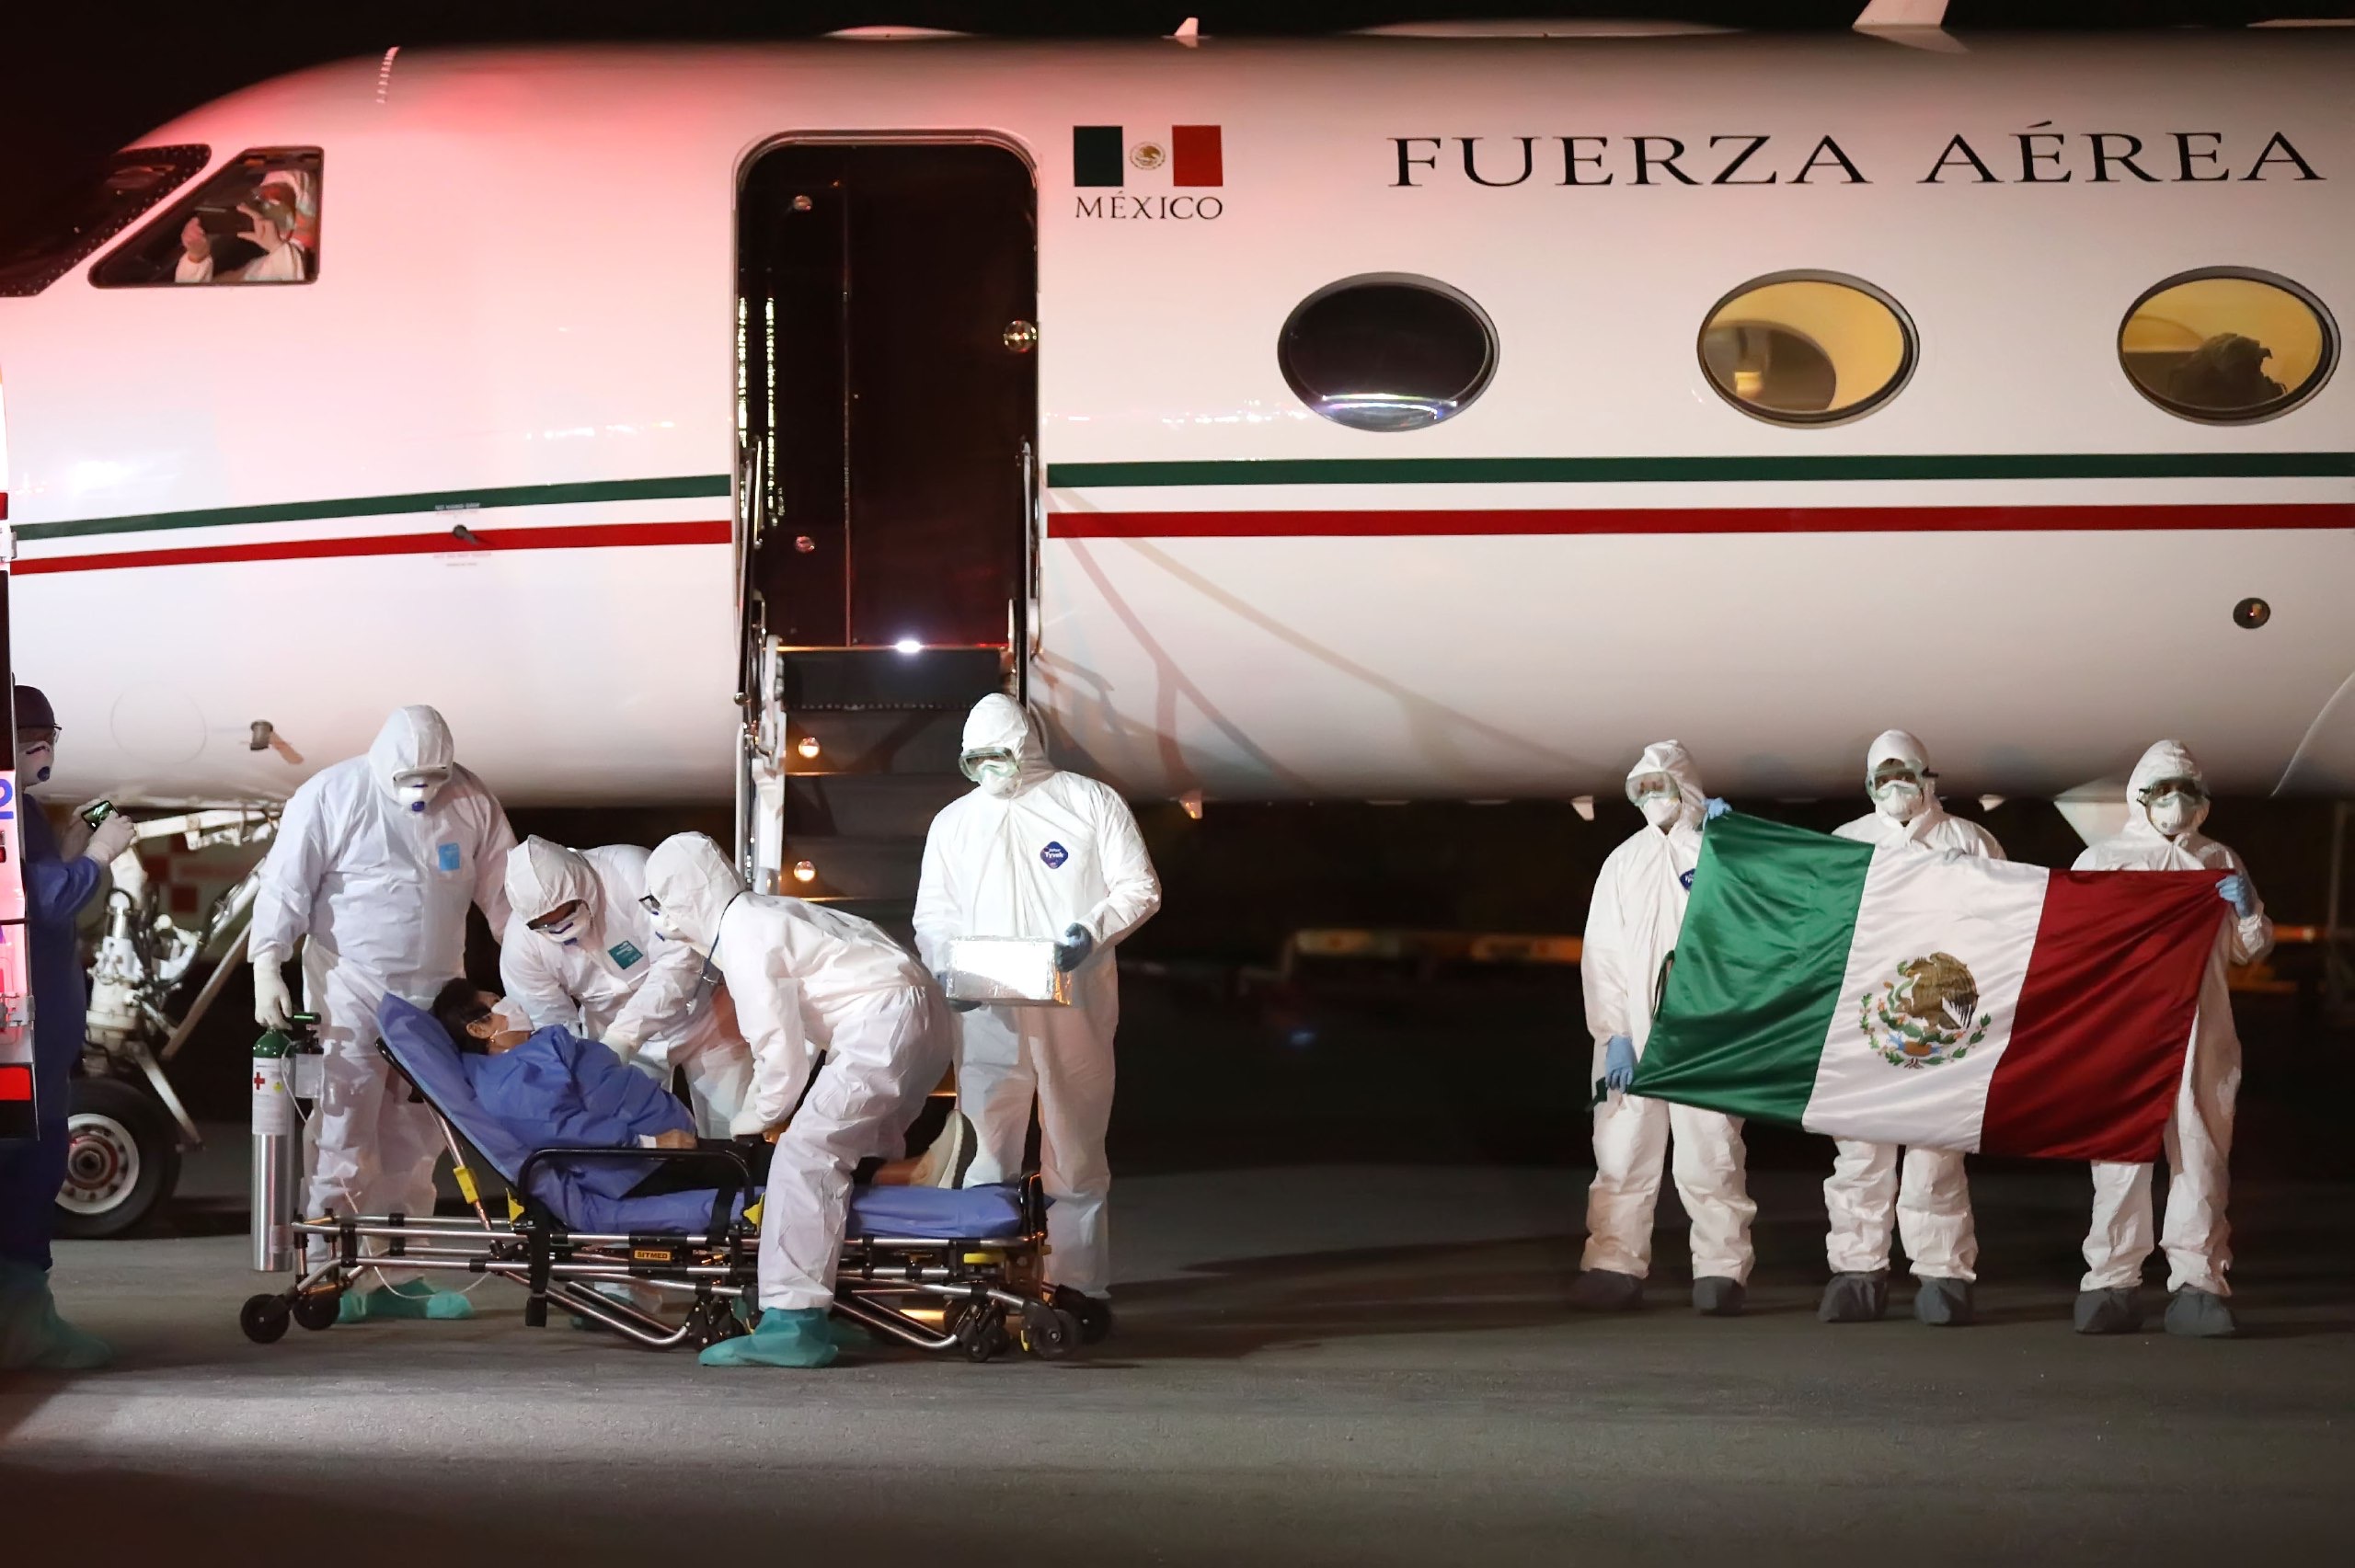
x,y
286,1071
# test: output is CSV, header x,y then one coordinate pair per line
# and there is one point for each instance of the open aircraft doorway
x,y
887,316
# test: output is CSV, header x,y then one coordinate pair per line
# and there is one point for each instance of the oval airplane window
x,y
1807,347
1387,351
2226,347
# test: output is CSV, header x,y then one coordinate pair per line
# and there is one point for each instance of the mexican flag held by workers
x,y
1902,996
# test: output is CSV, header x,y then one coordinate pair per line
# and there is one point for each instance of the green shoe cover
x,y
847,1334
405,1302
33,1338
785,1338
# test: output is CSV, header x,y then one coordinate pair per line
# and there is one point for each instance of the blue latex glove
x,y
1618,1062
1713,808
2235,890
1075,947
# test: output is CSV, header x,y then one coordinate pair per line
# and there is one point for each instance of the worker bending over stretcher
x,y
830,1005
553,1089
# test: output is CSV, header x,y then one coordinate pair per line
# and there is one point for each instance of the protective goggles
x,y
556,916
36,735
1650,784
652,905
2189,789
971,763
1899,772
433,776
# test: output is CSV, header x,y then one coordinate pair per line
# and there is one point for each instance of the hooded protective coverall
x,y
2198,1139
1631,931
1028,855
610,976
378,894
816,990
1931,1201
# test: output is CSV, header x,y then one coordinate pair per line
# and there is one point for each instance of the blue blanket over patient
x,y
425,1052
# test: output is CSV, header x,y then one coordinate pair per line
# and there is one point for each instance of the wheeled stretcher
x,y
951,1271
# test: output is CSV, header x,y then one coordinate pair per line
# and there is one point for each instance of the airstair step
x,y
873,740
860,678
869,806
852,866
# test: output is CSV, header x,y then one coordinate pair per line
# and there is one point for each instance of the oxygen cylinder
x,y
271,1191
286,1071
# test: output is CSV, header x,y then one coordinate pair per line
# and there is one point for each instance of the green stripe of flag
x,y
1689,470
1758,970
1096,155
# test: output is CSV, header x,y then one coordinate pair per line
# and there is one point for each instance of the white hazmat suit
x,y
1631,931
2199,1138
1930,1201
373,871
608,975
1030,852
815,992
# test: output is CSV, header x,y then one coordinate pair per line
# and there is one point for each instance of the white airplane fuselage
x,y
236,504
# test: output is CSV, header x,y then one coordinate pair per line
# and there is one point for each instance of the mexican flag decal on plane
x,y
1185,155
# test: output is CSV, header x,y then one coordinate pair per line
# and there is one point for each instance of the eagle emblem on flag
x,y
1926,1014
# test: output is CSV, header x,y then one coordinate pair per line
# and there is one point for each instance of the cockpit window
x,y
2227,347
72,232
256,221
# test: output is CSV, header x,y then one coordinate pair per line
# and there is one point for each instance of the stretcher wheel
x,y
981,1331
1049,1333
1094,1317
713,1320
265,1318
318,1311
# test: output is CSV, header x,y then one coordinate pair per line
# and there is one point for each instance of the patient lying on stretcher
x,y
548,1088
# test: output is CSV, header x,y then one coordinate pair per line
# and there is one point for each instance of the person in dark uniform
x,y
60,878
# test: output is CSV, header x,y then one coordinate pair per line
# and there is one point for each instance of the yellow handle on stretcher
x,y
466,1188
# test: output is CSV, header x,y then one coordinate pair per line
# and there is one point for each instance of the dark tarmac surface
x,y
1316,1365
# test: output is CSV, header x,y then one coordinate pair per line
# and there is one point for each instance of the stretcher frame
x,y
987,1290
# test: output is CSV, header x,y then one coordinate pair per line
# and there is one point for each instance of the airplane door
x,y
886,301
888,390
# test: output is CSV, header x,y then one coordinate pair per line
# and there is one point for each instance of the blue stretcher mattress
x,y
425,1052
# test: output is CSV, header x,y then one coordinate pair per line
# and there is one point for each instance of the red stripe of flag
x,y
1196,157
2104,1015
16,1085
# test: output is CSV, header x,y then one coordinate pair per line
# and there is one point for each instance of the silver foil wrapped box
x,y
1007,971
